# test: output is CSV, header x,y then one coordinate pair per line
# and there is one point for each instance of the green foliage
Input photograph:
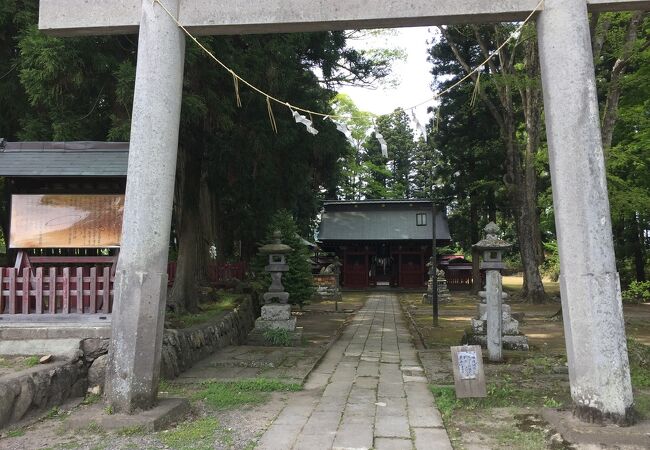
x,y
208,311
16,432
195,435
389,177
551,266
499,395
465,151
82,89
278,337
54,413
298,281
637,292
131,431
91,399
223,395
359,123
31,361
639,355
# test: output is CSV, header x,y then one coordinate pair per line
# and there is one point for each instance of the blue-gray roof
x,y
380,220
64,159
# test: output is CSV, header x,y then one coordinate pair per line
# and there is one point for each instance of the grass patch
x,y
18,432
131,431
19,362
209,311
54,413
31,361
522,440
222,395
278,337
639,363
642,404
498,396
170,388
91,399
196,435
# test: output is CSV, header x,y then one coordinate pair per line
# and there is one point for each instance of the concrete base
x,y
509,342
276,311
57,337
289,324
166,412
575,431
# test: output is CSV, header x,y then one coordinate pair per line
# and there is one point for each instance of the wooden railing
x,y
77,290
217,272
56,290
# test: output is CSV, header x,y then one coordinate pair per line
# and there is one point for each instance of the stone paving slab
x,y
292,364
368,391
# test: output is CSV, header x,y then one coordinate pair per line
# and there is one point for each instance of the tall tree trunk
x,y
521,178
184,295
531,97
474,237
610,111
639,249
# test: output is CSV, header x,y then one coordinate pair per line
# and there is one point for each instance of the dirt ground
x,y
518,389
233,425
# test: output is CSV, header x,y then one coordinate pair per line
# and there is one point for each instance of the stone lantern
x,y
494,325
276,310
492,248
277,265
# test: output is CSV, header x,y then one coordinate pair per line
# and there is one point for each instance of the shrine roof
x,y
380,220
64,159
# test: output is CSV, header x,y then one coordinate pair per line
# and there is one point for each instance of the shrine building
x,y
382,242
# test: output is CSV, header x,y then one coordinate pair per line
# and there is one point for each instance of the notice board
x,y
66,221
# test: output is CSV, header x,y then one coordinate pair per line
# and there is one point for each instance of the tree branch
x,y
490,105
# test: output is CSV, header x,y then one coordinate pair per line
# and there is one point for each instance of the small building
x,y
65,203
382,242
63,168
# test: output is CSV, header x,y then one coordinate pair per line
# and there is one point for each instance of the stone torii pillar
x,y
141,277
591,295
594,327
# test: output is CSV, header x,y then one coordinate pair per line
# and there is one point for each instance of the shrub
x,y
278,337
551,266
637,292
298,281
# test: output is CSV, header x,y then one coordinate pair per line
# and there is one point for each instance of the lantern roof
x,y
492,241
276,247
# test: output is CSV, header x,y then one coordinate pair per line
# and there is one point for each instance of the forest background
x,y
482,155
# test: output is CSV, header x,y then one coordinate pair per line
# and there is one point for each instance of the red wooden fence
x,y
77,290
217,272
56,290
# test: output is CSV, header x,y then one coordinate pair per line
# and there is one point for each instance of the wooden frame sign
x,y
66,221
469,375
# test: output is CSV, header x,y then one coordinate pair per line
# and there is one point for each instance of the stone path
x,y
369,391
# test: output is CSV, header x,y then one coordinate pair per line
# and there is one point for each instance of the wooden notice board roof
x,y
64,159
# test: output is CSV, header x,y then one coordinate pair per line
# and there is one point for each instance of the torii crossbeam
x,y
591,297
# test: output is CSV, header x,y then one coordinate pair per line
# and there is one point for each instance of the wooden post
x,y
80,290
12,290
52,291
66,291
26,273
93,290
2,298
106,290
39,290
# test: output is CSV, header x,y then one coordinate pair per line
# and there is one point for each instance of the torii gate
x,y
591,297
